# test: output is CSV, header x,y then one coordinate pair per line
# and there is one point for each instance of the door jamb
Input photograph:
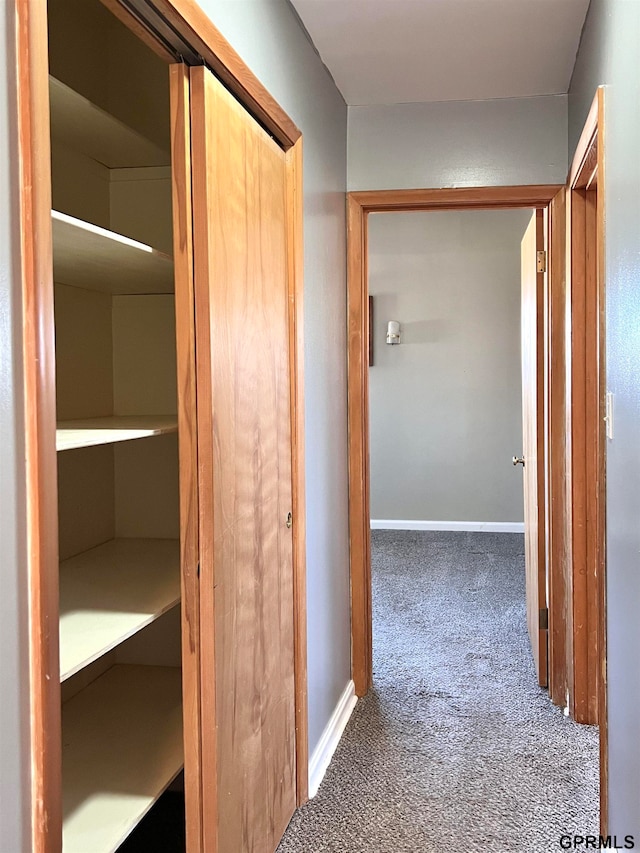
x,y
586,285
359,206
191,26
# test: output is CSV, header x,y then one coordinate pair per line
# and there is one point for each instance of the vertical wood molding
x,y
188,449
586,356
578,704
594,412
295,264
40,421
358,414
568,458
557,449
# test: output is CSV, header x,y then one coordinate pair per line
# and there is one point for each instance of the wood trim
x,y
453,199
588,640
295,262
188,448
542,353
358,415
578,687
359,205
556,440
585,143
40,422
594,421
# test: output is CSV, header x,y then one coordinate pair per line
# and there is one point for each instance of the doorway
x,y
445,401
360,205
555,427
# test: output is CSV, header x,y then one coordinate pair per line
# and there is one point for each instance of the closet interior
x,y
117,435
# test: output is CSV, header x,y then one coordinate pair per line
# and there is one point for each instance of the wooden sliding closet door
x,y
244,428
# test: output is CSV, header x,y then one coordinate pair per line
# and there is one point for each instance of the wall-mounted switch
x,y
608,417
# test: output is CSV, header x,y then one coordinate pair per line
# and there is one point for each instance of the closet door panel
x,y
187,449
244,429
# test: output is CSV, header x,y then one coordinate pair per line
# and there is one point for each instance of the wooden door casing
x,y
533,407
244,428
359,205
587,693
557,440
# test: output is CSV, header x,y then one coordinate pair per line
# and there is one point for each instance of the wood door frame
x,y
359,206
186,30
587,616
536,445
557,405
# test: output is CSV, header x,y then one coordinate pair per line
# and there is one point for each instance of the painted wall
x,y
458,144
14,708
610,54
446,404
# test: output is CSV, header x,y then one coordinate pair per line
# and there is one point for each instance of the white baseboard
x,y
471,526
323,753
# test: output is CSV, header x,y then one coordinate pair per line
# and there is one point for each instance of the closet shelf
x,y
85,127
121,748
92,431
85,255
109,593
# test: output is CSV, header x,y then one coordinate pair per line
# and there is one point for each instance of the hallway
x,y
456,747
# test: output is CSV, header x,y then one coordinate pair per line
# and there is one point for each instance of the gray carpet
x,y
455,748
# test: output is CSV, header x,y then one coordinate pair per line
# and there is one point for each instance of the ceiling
x,y
401,51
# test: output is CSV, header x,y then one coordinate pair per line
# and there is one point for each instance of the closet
x,y
161,269
116,438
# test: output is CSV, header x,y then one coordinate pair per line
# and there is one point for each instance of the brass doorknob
x,y
289,519
518,460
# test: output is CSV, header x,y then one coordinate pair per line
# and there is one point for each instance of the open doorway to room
x,y
550,521
445,403
457,668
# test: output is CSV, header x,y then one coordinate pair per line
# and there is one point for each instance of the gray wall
x,y
268,37
14,708
610,53
458,143
446,404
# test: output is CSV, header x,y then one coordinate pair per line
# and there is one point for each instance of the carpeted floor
x,y
456,748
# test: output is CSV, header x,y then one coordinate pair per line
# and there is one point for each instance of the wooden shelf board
x,y
85,127
121,748
93,431
85,255
109,593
